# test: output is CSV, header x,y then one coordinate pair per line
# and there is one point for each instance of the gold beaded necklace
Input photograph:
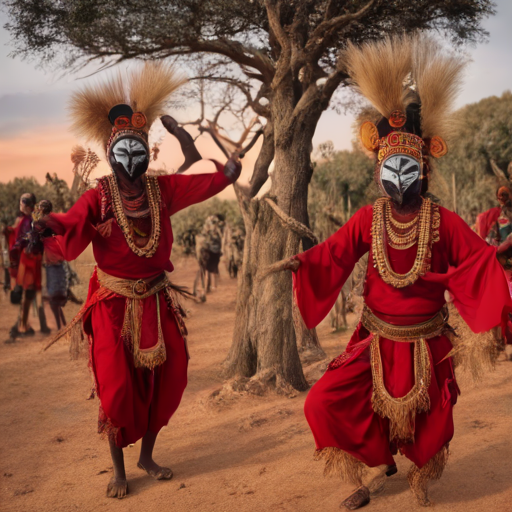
x,y
400,235
427,233
153,195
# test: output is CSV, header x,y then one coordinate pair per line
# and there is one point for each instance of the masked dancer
x,y
394,387
134,325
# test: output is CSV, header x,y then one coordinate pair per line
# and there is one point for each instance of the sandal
x,y
358,499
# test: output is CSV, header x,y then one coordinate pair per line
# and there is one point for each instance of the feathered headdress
x,y
124,103
412,84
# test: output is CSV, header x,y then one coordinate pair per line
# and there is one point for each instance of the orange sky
x,y
36,152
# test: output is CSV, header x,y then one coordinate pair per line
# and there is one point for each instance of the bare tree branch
x,y
273,7
245,89
265,157
322,35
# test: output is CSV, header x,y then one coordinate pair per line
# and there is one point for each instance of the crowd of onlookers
x,y
27,249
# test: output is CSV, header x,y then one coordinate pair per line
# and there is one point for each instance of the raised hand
x,y
186,141
170,124
233,167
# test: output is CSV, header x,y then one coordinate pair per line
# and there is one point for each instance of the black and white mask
x,y
130,155
400,177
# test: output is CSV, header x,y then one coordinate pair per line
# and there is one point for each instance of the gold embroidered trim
x,y
428,234
406,333
401,411
154,198
135,292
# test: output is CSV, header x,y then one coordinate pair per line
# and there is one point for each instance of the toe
x,y
165,474
117,489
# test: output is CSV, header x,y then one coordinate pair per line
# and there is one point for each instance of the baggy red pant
x,y
340,414
135,400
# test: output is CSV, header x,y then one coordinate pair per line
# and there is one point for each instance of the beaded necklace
x,y
153,196
427,227
401,235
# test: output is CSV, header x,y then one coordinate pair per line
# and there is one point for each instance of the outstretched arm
x,y
182,190
76,228
321,271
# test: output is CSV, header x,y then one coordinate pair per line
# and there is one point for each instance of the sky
x,y
34,135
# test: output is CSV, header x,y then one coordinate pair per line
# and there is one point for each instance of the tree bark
x,y
264,347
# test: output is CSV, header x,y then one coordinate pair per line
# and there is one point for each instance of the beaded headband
x,y
134,125
400,141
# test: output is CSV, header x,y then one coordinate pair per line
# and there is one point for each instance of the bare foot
x,y
117,488
156,471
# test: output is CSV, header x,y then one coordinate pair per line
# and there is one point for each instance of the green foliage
x,y
55,189
341,184
193,217
484,132
75,29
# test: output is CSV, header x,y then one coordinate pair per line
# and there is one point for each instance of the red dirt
x,y
242,454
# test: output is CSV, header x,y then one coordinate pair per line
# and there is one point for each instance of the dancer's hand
x,y
170,124
506,245
289,264
233,167
186,141
292,264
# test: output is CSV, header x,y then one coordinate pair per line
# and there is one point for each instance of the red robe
x,y
133,400
338,407
25,267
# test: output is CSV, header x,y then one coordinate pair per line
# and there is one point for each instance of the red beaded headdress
x,y
412,85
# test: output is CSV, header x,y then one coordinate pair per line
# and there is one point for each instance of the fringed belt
x,y
401,411
135,292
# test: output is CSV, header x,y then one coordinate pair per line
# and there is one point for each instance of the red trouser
x,y
136,400
340,414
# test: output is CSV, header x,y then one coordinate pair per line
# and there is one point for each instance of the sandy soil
x,y
245,454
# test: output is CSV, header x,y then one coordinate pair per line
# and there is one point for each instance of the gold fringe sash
x,y
135,292
74,330
405,333
402,411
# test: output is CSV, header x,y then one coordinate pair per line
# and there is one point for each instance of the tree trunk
x,y
264,347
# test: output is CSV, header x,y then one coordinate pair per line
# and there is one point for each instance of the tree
x,y
342,183
284,57
484,132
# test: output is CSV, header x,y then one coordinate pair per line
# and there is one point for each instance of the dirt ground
x,y
246,454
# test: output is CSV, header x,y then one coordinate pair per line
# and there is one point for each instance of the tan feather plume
x,y
90,106
151,87
146,90
379,69
438,79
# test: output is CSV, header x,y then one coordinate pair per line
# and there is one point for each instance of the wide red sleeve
x,y
76,228
475,278
182,190
324,269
